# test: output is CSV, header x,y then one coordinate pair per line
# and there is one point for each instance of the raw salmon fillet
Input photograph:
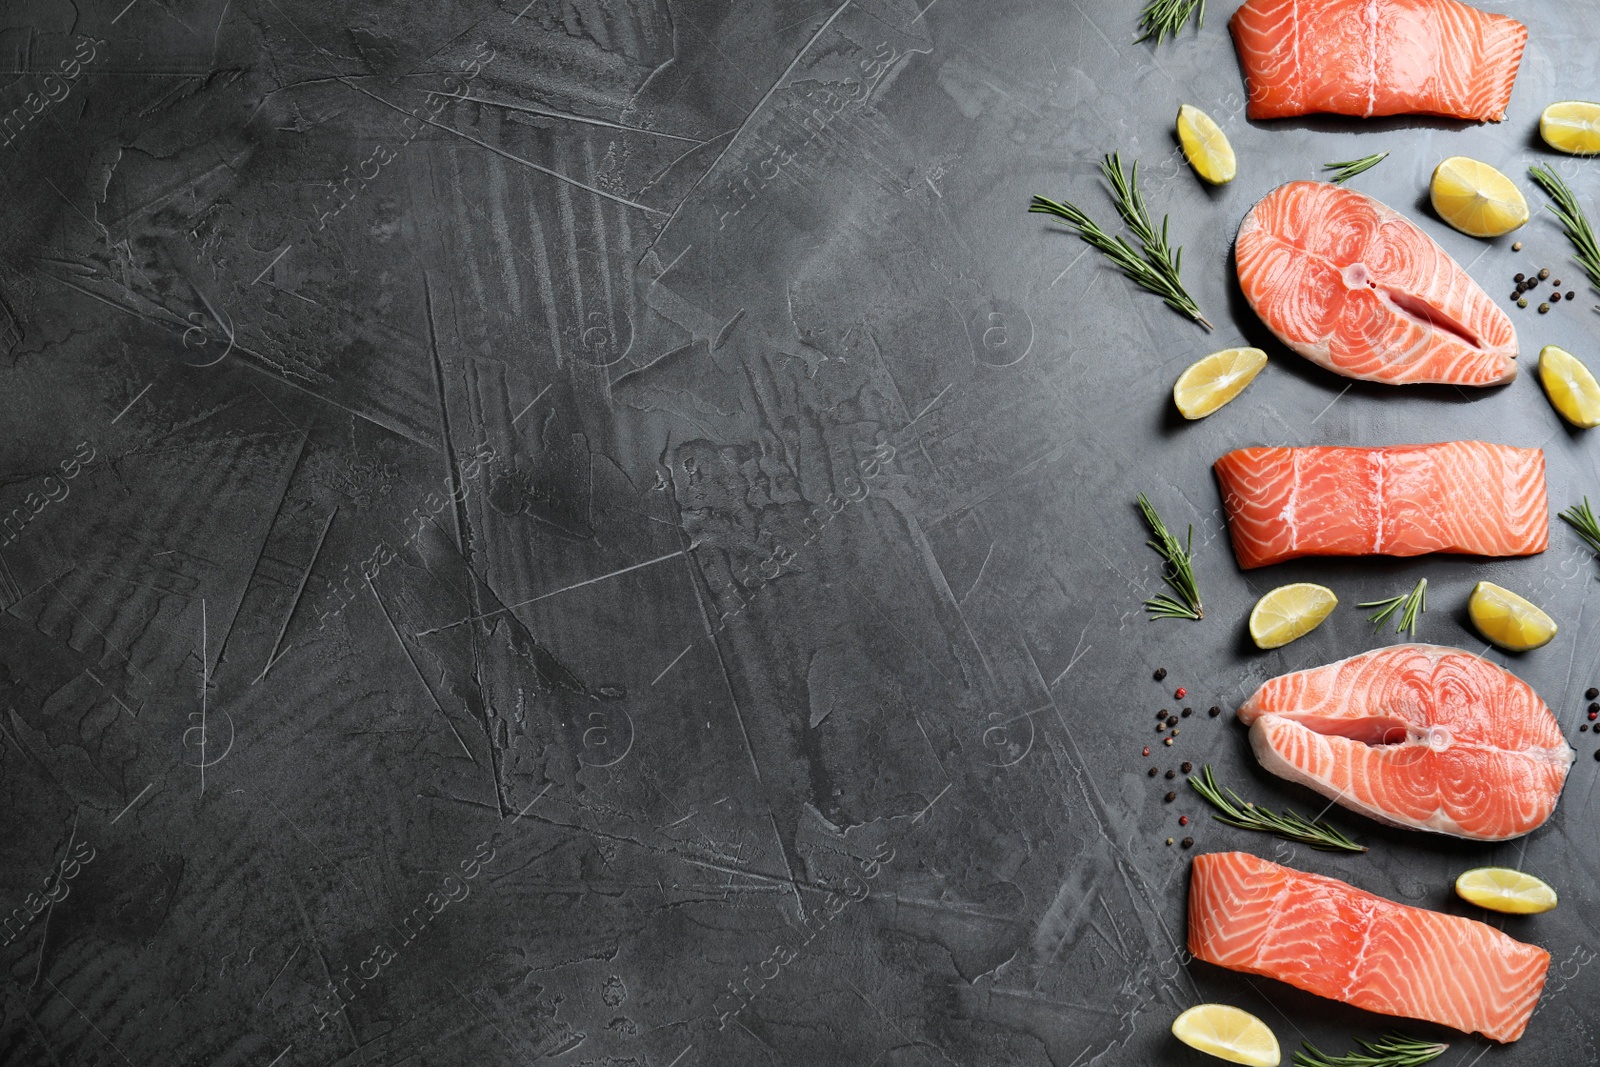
x,y
1377,57
1354,286
1417,736
1460,496
1329,938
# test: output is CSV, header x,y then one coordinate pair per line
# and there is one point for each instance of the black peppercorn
x,y
1186,767
1170,797
1161,672
1187,712
1592,708
1171,773
1162,713
1214,712
1519,276
1597,753
1556,284
1590,693
1583,728
1188,842
1152,772
1571,295
1555,298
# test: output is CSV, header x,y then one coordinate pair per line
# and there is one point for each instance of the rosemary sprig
x,y
1567,209
1155,265
1396,1050
1161,17
1409,605
1248,816
1351,167
1581,518
1178,572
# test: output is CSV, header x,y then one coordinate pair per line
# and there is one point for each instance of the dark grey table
x,y
600,532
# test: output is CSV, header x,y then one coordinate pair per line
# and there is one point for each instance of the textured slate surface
x,y
529,500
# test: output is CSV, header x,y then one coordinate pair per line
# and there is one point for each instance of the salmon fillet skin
x,y
1377,57
1332,939
1469,497
1417,736
1357,288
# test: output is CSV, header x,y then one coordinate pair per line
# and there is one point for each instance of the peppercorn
x,y
1583,728
1597,753
1593,707
1214,712
1590,693
1556,284
1523,302
1176,731
1160,726
1516,246
1171,773
1555,298
1169,840
1185,766
1187,842
1180,694
1170,797
1147,750
1544,272
1571,295
1183,820
1152,772
1519,276
1168,742
1187,712
1517,295
1161,672
1162,713
1544,309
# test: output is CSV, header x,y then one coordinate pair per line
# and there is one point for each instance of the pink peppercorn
x,y
1180,694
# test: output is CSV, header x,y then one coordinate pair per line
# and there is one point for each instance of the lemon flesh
x,y
1476,199
1571,126
1229,1034
1508,620
1290,612
1206,146
1218,378
1502,889
1572,390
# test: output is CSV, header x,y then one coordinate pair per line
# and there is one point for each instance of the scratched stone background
x,y
600,532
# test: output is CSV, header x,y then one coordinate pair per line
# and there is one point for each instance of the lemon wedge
x,y
1508,620
1476,199
1206,146
1572,389
1213,381
1290,612
1571,126
1502,889
1229,1034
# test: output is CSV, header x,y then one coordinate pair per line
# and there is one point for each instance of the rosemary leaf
x,y
1396,1050
1178,572
1409,605
1582,519
1153,265
1351,167
1234,811
1163,17
1573,220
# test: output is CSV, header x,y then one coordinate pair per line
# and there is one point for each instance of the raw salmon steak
x,y
1377,57
1417,736
1460,496
1332,939
1354,286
